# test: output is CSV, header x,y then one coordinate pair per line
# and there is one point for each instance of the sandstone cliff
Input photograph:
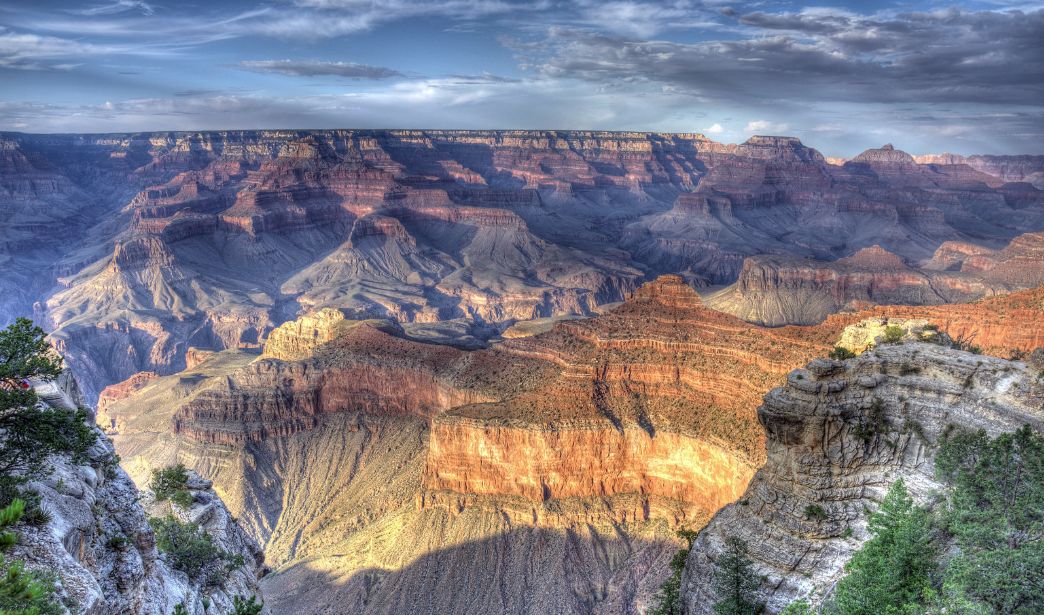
x,y
838,434
377,465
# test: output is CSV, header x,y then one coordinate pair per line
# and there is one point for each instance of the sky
x,y
843,76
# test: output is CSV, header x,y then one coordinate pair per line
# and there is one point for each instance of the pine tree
x,y
735,581
891,574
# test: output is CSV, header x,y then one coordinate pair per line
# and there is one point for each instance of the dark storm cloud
x,y
950,56
315,68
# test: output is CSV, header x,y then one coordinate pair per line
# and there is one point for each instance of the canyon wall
x,y
211,240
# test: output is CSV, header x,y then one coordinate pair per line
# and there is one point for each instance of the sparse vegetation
x,y
668,599
840,353
244,606
735,581
893,334
192,551
907,369
873,424
172,484
815,512
964,343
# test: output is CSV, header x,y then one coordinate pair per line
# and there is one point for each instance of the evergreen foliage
x,y
996,515
668,599
192,551
22,591
243,606
172,484
735,581
893,570
30,434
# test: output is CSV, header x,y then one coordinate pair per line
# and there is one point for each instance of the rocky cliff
x,y
99,544
438,462
775,290
211,240
838,434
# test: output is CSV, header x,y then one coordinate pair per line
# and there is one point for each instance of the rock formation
x,y
100,546
773,290
638,419
211,240
838,434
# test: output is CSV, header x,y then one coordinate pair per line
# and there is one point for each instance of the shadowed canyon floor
x,y
210,240
375,468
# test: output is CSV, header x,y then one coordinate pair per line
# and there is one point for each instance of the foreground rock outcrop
x,y
838,434
99,544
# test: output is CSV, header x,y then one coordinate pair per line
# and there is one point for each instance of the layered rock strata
x,y
211,240
838,434
774,290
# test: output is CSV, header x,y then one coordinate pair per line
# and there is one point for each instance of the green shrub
x,y
242,606
893,334
840,353
815,512
798,607
192,551
172,484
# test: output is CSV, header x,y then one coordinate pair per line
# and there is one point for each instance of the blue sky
x,y
927,76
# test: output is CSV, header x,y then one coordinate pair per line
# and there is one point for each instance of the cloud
x,y
951,56
119,6
314,68
34,52
714,129
765,126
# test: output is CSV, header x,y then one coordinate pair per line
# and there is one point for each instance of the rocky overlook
x,y
211,240
838,433
98,542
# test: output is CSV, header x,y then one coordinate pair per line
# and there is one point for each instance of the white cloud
x,y
714,129
765,126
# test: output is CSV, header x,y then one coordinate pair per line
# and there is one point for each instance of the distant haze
x,y
964,77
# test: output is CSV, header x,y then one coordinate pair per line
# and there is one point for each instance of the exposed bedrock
x,y
780,290
210,240
838,434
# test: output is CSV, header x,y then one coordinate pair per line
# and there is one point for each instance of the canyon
x,y
514,363
375,468
211,240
